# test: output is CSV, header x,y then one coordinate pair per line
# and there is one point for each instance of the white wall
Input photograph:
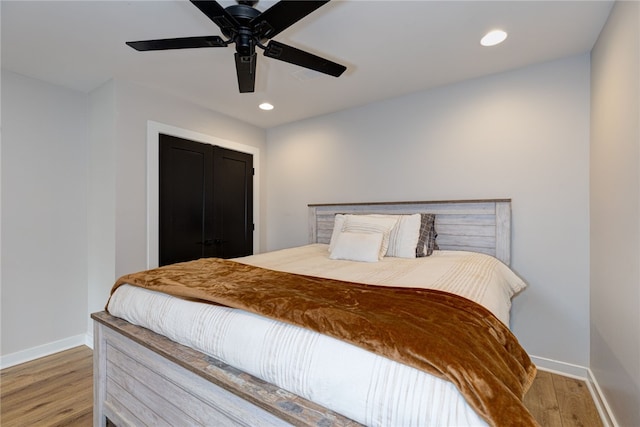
x,y
74,201
126,179
101,172
615,212
44,217
522,135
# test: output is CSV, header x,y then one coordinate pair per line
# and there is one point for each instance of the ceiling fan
x,y
247,27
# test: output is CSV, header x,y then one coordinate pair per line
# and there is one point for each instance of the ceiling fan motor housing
x,y
243,36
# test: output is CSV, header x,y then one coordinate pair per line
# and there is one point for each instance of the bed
x,y
177,360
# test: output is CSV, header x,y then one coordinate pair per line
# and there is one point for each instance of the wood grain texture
x,y
51,391
472,225
558,401
231,396
554,400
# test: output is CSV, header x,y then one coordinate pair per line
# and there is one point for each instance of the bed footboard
x,y
142,378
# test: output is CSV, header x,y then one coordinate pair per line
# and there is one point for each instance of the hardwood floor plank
x,y
541,401
36,370
575,403
57,391
77,419
63,378
57,404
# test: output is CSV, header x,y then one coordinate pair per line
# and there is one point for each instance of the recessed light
x,y
265,106
493,38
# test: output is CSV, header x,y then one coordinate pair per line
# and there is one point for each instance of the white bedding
x,y
361,385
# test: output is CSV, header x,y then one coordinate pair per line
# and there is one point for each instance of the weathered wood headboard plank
x,y
472,225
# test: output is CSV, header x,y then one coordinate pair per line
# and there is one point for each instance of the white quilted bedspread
x,y
361,385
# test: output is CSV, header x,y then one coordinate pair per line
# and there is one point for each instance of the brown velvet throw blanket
x,y
440,333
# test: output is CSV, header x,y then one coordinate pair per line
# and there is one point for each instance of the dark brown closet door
x,y
232,203
206,201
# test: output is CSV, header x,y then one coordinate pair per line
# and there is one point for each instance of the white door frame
x,y
154,129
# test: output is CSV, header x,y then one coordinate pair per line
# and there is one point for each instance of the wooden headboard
x,y
469,225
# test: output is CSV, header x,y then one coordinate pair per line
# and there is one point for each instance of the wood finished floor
x,y
57,391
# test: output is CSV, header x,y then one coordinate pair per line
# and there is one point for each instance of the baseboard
x,y
601,403
33,353
561,368
88,341
581,373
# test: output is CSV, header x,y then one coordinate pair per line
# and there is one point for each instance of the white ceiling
x,y
390,48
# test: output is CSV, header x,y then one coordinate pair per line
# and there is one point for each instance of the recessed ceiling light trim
x,y
266,106
493,38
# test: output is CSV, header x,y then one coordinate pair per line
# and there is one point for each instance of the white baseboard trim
x,y
561,368
581,373
601,403
37,352
89,340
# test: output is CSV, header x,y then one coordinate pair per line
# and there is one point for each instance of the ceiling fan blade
x,y
304,59
179,43
246,71
282,15
217,14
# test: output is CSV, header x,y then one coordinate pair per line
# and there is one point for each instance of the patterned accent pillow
x,y
427,240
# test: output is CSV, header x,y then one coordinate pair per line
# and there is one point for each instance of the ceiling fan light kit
x,y
248,28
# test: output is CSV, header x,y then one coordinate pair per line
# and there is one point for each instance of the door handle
x,y
210,242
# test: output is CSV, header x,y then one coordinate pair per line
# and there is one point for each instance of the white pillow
x,y
404,236
371,224
338,223
354,246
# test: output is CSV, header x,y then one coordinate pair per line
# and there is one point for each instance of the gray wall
x,y
128,108
74,200
522,135
615,212
44,225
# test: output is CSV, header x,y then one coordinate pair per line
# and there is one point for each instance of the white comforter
x,y
361,385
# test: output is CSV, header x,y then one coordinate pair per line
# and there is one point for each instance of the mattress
x,y
478,277
361,385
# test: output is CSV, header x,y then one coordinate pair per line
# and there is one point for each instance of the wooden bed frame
x,y
142,378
